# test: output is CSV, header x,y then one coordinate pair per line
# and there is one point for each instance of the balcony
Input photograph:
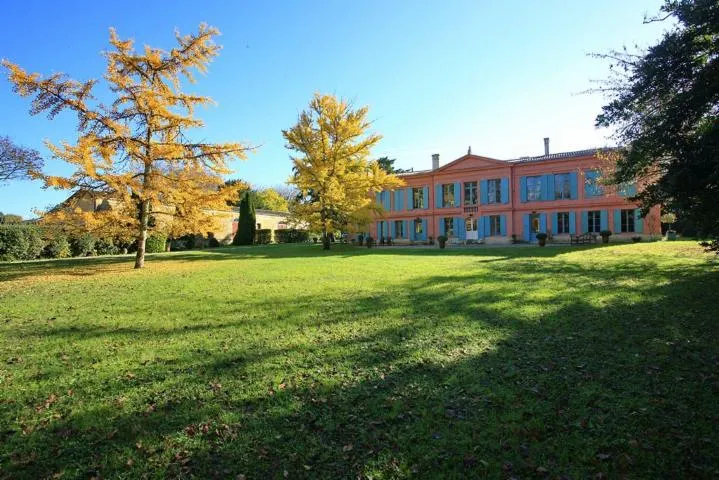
x,y
471,209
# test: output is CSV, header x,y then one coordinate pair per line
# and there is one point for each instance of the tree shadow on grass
x,y
465,382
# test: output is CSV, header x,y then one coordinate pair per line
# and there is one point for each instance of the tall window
x,y
417,198
399,229
562,223
418,230
470,224
448,227
562,187
592,187
534,188
495,226
494,190
594,221
470,193
627,221
448,195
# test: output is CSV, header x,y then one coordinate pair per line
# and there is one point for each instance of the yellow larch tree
x,y
136,149
332,169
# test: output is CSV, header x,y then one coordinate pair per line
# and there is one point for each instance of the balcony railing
x,y
471,209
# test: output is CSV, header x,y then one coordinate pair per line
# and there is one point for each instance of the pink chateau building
x,y
489,200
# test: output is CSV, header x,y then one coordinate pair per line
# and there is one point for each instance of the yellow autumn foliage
x,y
136,150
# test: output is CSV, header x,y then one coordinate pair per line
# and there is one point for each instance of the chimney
x,y
435,161
546,145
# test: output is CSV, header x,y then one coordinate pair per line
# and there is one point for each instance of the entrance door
x,y
534,226
470,227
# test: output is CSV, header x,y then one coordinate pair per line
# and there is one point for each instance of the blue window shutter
x,y
485,225
548,187
573,185
523,189
604,220
459,228
638,221
379,229
405,228
410,200
543,222
573,223
505,190
378,198
526,226
438,196
387,200
483,193
425,197
457,194
441,225
424,229
555,223
617,220
503,225
585,222
395,200
391,230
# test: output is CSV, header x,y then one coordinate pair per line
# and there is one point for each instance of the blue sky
x,y
437,76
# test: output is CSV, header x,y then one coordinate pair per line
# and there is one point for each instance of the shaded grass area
x,y
287,361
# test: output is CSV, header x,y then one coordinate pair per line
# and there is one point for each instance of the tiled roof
x,y
557,156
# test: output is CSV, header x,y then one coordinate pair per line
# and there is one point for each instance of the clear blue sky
x,y
438,76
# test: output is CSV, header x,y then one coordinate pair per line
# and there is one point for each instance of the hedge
x,y
20,242
263,236
156,243
292,235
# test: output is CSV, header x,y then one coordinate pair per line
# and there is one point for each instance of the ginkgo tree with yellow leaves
x,y
332,169
135,149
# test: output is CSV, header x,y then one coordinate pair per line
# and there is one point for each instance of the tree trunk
x,y
325,237
142,237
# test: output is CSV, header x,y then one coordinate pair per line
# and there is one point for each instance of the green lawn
x,y
286,361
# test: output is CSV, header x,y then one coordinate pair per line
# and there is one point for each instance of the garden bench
x,y
582,238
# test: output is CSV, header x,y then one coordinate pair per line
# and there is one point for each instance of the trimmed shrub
x,y
156,243
20,242
83,245
369,241
263,236
106,246
291,235
58,247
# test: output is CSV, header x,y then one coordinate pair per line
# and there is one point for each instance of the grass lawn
x,y
286,361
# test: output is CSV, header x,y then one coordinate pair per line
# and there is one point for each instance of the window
x,y
470,224
448,195
562,222
448,226
594,221
418,198
627,221
418,230
592,187
495,226
494,190
470,193
399,229
534,188
562,187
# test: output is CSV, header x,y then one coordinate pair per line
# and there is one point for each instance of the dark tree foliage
x,y
16,162
663,106
387,164
248,223
9,218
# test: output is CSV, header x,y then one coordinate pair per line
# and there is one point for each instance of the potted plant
x,y
442,241
369,241
360,239
636,239
605,234
430,240
514,238
670,218
542,239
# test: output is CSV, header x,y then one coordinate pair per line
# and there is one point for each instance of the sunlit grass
x,y
376,363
